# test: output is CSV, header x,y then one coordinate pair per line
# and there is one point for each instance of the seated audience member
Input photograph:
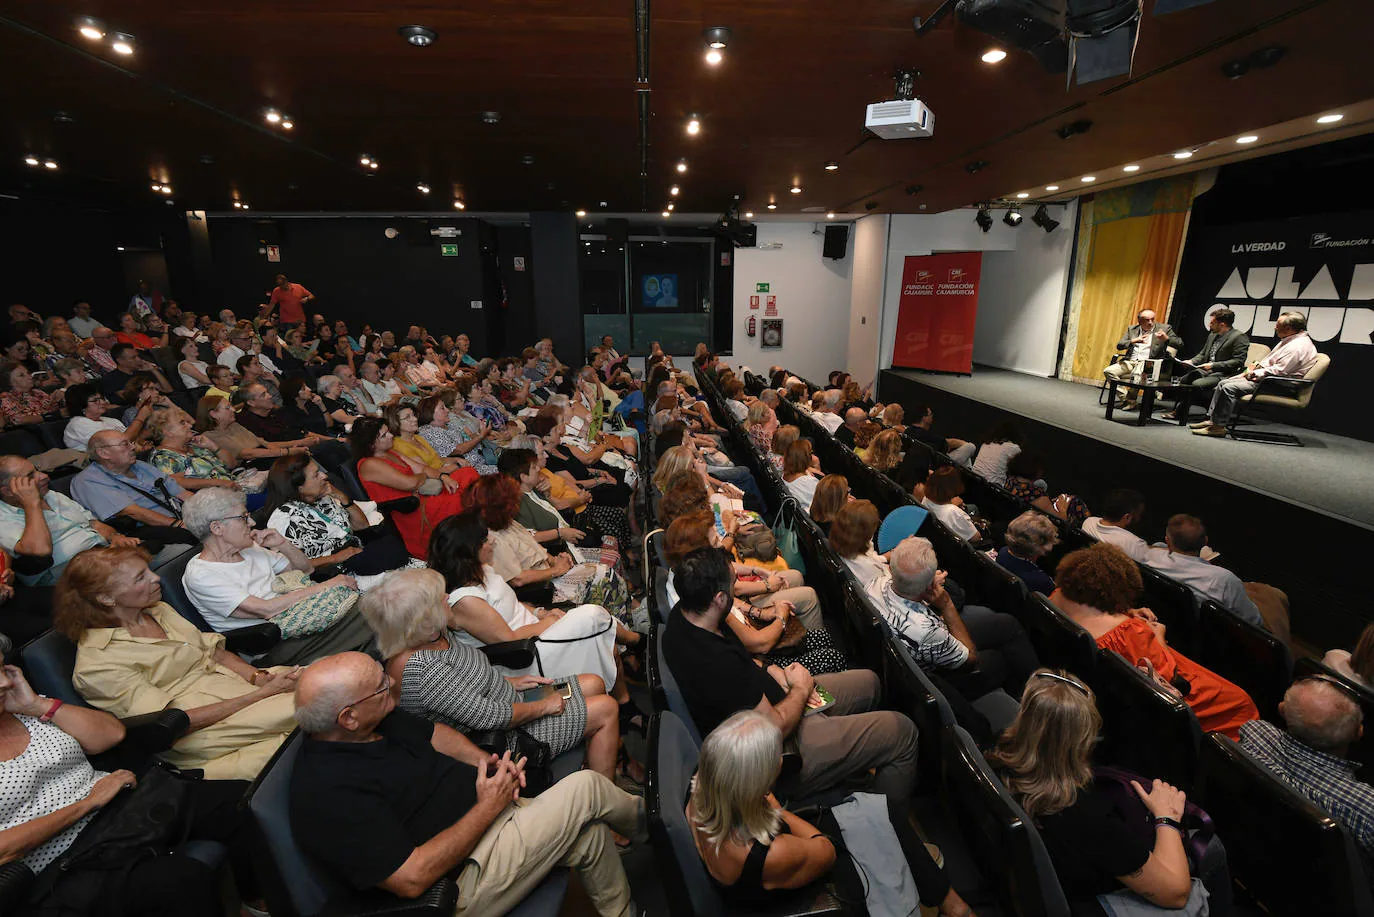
x,y
52,794
854,418
761,423
1102,861
755,850
603,486
262,418
96,351
1096,589
244,576
446,679
828,416
433,416
223,382
783,438
868,431
797,472
912,474
404,425
188,457
1030,536
69,373
1026,481
378,390
428,801
942,490
571,502
1184,538
86,408
462,423
1222,355
733,480
1358,666
959,451
327,526
355,397
832,493
240,344
140,391
116,484
21,402
851,537
917,607
718,677
1121,509
305,409
216,420
892,417
685,494
192,370
136,655
999,448
1311,753
127,363
760,621
388,476
541,518
734,399
884,453
1293,355
81,322
855,396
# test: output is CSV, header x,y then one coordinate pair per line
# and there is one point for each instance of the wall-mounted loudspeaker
x,y
836,242
618,230
417,232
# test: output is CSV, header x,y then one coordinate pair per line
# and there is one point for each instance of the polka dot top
x,y
51,774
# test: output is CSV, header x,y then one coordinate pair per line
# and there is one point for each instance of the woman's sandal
x,y
629,713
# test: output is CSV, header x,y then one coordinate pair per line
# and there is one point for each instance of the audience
x,y
1030,536
854,418
798,472
86,407
942,490
118,486
1121,509
851,537
997,451
828,414
884,453
1026,481
1181,561
832,493
960,452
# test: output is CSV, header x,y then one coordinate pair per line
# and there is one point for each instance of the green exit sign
x,y
760,288
448,249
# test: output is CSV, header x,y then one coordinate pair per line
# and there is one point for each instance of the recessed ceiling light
x,y
772,206
667,213
717,37
714,57
50,164
1330,119
671,205
994,56
491,117
581,214
682,166
1248,138
156,186
603,204
1088,179
795,189
365,159
1023,195
1051,187
31,160
459,205
1184,154
748,214
122,43
287,124
694,125
238,205
119,248
1131,168
166,189
418,35
422,188
674,190
245,206
272,116
831,166
91,28
830,215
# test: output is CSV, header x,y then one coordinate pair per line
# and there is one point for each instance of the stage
x,y
1301,519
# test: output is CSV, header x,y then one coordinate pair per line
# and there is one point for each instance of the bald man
x,y
853,419
384,798
1323,721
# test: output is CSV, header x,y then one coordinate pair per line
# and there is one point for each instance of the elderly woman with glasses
x,y
238,579
86,406
136,655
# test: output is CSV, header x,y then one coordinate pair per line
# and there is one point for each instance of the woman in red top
x,y
1096,587
388,475
131,333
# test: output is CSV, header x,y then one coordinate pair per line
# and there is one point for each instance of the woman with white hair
x,y
444,678
1030,536
754,849
244,576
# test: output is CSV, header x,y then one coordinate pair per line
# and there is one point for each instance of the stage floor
x,y
1329,474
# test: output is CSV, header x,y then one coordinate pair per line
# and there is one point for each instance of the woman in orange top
x,y
1096,587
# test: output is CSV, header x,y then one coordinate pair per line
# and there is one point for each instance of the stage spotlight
x,y
1013,215
984,218
1043,220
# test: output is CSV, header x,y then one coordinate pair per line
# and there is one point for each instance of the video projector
x,y
900,119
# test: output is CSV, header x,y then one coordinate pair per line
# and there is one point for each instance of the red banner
x,y
937,311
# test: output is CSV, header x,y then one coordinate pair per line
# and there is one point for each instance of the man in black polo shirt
x,y
717,678
922,418
853,419
262,417
381,797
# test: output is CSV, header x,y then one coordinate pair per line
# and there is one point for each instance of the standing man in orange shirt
x,y
291,297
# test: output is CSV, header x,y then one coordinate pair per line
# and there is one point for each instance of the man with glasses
x,y
383,798
1312,754
262,417
116,485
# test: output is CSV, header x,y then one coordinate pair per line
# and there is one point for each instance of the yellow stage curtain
x,y
1134,237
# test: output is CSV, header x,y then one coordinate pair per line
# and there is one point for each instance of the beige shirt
x,y
128,676
514,551
233,439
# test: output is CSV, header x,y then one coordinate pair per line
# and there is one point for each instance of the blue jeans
x,y
742,478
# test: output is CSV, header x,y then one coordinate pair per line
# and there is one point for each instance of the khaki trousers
x,y
566,825
806,606
850,737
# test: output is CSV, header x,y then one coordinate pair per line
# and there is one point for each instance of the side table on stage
x,y
1147,398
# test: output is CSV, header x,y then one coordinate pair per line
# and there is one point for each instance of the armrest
x,y
15,879
440,901
155,732
492,741
513,654
1273,381
399,505
253,640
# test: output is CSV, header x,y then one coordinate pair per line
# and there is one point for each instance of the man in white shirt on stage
x,y
1291,358
1147,339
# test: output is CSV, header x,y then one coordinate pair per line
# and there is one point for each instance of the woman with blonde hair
x,y
885,452
761,423
684,459
754,849
831,495
893,416
1045,759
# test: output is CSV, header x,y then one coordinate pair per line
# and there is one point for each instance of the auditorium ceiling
x,y
187,109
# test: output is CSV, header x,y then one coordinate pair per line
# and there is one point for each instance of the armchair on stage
x,y
1284,393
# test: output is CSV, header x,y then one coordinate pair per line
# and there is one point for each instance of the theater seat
x,y
996,587
1363,749
954,554
1058,641
672,759
252,640
1144,728
663,686
1246,655
1291,855
1009,851
661,605
1175,606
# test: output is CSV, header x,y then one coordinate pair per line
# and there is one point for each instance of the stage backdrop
x,y
937,311
1322,266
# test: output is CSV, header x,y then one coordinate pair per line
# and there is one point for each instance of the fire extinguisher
x,y
752,327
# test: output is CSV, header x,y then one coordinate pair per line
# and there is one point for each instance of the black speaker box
x,y
618,230
417,232
836,242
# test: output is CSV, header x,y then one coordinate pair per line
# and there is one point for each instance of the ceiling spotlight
x,y
671,205
581,214
682,166
122,43
983,218
90,28
795,189
674,190
830,215
119,248
418,35
667,213
422,188
238,205
1042,219
245,206
1022,196
994,56
491,117
1088,179
694,125
748,214
1248,138
31,160
287,124
459,205
1013,215
1051,187
714,57
772,206
156,187
365,160
717,38
1131,168
166,189
373,164
1330,119
831,166
272,116
1184,154
50,164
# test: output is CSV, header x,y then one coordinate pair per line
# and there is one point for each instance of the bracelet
x,y
1165,821
52,711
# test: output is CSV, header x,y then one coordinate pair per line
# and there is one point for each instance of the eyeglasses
x,y
386,686
244,517
1068,681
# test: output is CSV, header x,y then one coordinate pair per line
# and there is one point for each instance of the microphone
x,y
172,502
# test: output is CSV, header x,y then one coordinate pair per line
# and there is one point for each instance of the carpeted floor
x,y
1329,474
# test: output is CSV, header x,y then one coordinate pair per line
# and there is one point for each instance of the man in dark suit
x,y
1147,339
1222,355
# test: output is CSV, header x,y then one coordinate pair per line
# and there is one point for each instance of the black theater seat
x,y
1175,606
1059,642
1144,728
1246,655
